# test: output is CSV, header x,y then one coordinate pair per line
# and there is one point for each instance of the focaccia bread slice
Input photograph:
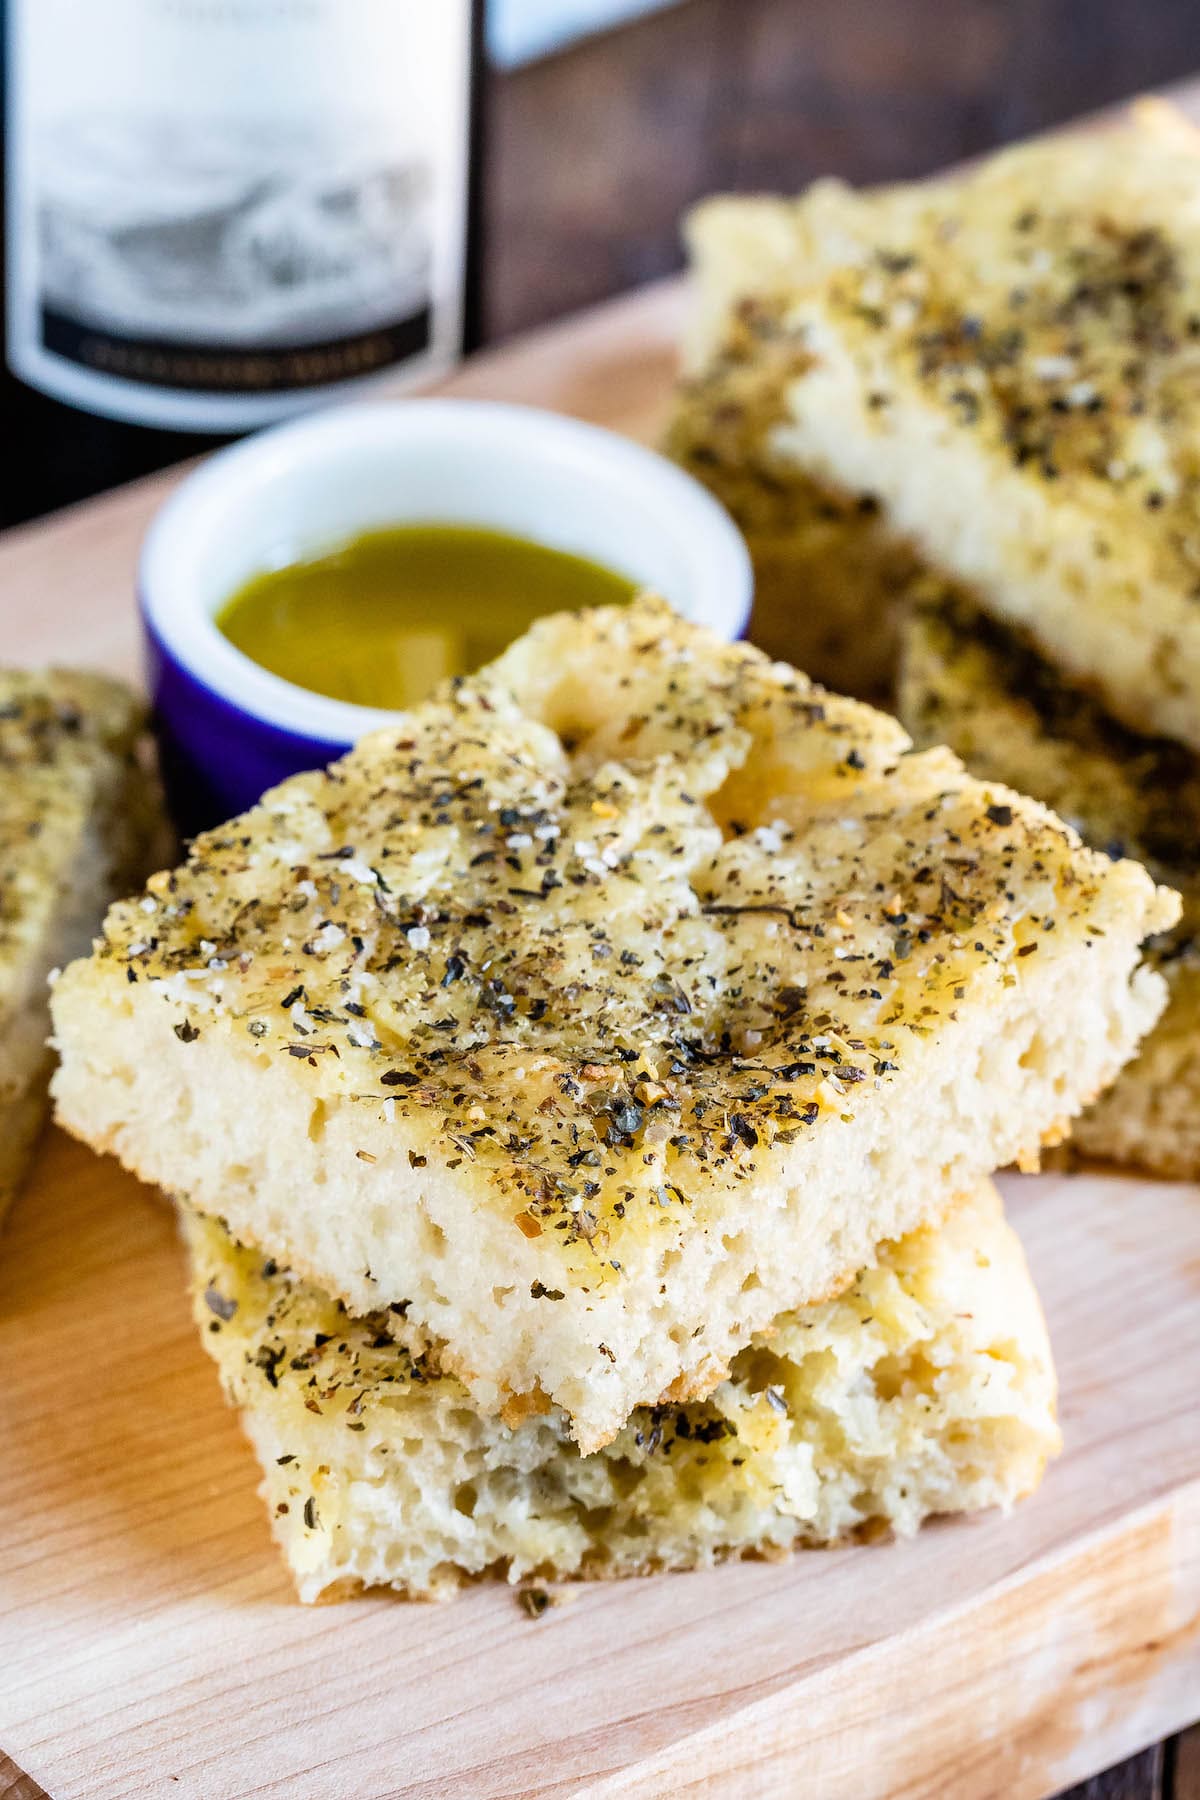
x,y
927,1387
610,1004
976,686
1014,373
78,815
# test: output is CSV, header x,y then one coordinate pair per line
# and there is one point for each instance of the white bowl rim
x,y
176,614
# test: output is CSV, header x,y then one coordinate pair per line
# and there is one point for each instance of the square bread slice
x,y
78,816
1014,373
975,685
927,1387
611,1003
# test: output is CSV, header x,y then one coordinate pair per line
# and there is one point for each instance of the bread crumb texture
x,y
927,1387
613,1002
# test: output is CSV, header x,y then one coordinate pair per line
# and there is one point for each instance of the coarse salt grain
x,y
357,871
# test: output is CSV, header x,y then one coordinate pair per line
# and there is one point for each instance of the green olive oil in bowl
x,y
384,617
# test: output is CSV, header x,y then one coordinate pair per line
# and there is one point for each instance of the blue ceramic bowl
x,y
229,729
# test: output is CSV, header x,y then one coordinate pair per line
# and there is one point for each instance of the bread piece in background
x,y
975,685
997,372
926,1387
611,1003
1014,373
79,824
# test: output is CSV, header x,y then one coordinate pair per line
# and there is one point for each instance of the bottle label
x,y
219,211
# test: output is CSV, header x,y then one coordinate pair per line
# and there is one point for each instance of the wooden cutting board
x,y
149,1644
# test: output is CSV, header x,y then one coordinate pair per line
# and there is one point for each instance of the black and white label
x,y
220,210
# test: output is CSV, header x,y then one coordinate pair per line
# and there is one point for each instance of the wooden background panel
x,y
593,154
1184,1767
1141,1778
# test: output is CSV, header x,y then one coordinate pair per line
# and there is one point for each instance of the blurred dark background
x,y
595,151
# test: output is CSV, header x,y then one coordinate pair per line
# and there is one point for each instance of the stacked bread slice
x,y
540,1081
998,375
927,1386
79,824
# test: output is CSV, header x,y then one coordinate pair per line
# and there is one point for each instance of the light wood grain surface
x,y
150,1644
148,1639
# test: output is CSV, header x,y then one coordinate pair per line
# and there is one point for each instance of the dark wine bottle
x,y
221,212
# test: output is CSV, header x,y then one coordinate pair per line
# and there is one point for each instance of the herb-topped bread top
x,y
618,977
563,963
1010,362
